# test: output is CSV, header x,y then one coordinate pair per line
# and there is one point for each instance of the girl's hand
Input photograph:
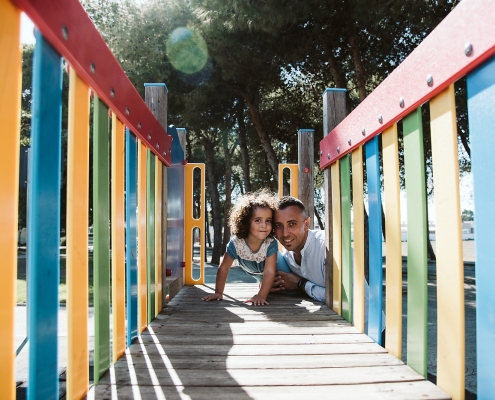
x,y
257,300
214,296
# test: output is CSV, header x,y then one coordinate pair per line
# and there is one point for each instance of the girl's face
x,y
260,225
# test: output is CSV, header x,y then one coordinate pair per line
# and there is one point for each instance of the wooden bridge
x,y
294,348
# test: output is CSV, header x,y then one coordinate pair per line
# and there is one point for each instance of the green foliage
x,y
467,215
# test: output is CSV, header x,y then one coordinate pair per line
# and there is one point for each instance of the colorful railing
x,y
130,204
462,45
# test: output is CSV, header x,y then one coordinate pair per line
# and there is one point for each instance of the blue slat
x,y
375,241
175,230
131,235
481,111
43,260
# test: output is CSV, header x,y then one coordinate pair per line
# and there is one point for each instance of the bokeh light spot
x,y
187,50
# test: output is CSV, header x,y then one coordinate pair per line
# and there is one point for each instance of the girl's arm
x,y
222,273
266,283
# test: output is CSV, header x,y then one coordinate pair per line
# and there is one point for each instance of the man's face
x,y
291,228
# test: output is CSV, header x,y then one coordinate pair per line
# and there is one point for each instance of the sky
x,y
27,26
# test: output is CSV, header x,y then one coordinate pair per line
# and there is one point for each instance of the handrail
x,y
462,41
65,25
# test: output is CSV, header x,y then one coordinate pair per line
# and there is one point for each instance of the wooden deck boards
x,y
294,348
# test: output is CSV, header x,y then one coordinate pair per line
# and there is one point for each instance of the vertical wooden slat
x,y
101,237
77,238
337,238
481,103
131,235
375,241
305,179
43,241
345,195
393,245
450,267
158,235
141,228
358,224
334,111
150,232
118,239
10,104
417,231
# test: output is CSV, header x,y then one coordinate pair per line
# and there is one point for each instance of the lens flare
x,y
187,50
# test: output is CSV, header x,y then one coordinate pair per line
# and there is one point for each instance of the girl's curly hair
x,y
242,211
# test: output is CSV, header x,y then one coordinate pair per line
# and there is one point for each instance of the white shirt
x,y
312,265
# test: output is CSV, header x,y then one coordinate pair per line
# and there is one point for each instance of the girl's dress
x,y
252,263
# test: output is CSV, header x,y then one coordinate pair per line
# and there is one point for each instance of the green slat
x,y
417,230
101,237
150,232
345,193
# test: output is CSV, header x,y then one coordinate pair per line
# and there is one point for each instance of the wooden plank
x,y
337,239
141,239
417,262
393,244
345,197
481,95
296,361
450,267
276,377
375,391
77,237
341,338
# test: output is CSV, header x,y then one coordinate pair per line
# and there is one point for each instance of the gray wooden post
x,y
155,96
306,158
334,111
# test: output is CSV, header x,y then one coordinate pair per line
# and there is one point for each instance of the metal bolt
x,y
92,68
338,149
468,49
321,153
139,125
380,119
158,145
401,102
164,154
429,80
127,111
112,93
328,156
65,33
363,131
349,141
149,136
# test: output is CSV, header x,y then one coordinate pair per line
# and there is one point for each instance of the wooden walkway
x,y
292,349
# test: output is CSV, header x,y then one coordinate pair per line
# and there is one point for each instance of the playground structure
x,y
148,251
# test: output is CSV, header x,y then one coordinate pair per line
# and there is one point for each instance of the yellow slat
x,y
118,239
393,245
10,105
158,235
142,282
358,224
450,266
77,238
337,238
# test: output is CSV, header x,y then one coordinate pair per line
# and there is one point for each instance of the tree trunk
x,y
243,146
464,141
215,200
358,65
228,192
320,222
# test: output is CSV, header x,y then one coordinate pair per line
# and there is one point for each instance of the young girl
x,y
252,245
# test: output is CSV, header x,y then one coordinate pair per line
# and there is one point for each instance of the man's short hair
x,y
288,201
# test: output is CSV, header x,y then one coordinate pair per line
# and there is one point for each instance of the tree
x,y
467,215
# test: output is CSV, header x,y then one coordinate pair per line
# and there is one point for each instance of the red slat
x,y
83,47
441,55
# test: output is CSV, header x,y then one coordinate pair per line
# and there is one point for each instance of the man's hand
x,y
257,300
283,281
214,296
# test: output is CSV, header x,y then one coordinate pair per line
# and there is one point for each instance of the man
x,y
305,251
